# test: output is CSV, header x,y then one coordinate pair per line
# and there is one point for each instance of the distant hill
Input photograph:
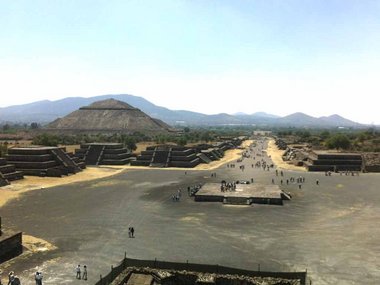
x,y
303,120
47,111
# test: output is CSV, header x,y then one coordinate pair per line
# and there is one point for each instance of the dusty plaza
x,y
331,229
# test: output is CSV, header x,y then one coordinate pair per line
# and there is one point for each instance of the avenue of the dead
x,y
330,229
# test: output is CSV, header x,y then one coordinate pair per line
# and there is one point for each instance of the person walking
x,y
84,276
132,232
78,272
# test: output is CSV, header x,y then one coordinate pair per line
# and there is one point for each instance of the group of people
x,y
80,274
192,190
177,197
13,279
131,232
227,186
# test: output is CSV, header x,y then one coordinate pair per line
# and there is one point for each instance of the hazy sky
x,y
318,57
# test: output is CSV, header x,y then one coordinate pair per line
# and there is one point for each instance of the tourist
x,y
78,272
11,278
132,232
14,280
84,276
38,277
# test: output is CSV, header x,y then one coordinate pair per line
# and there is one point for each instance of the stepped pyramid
x,y
108,116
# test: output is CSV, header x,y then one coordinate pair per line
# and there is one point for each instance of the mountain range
x,y
47,111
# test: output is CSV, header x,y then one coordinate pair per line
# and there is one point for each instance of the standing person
x,y
11,278
38,278
132,232
78,271
84,277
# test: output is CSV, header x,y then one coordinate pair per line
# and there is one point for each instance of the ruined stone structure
x,y
149,276
44,161
334,161
104,153
371,161
108,117
187,157
208,152
154,272
8,172
167,156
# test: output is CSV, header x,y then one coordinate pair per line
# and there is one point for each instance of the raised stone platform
x,y
167,156
104,154
44,161
244,194
8,173
334,161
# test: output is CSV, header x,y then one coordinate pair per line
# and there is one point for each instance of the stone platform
x,y
244,194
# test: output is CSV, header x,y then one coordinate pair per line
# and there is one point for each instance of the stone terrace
x,y
8,172
104,154
167,156
44,161
334,161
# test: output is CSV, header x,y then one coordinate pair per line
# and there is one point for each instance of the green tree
x,y
324,135
338,141
182,141
34,126
46,140
206,137
6,127
130,142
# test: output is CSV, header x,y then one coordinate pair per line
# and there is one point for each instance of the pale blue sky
x,y
318,57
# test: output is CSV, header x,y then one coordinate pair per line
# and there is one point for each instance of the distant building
x,y
262,133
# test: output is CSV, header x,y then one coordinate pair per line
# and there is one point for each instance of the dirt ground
x,y
32,183
276,155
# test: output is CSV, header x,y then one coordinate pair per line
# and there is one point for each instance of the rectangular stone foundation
x,y
245,194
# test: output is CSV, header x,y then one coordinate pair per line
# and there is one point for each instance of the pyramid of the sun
x,y
108,116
